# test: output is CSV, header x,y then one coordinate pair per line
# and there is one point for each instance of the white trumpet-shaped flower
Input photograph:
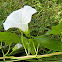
x,y
18,45
20,18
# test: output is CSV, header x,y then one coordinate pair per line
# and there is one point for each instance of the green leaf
x,y
9,37
49,43
48,32
26,43
56,29
31,44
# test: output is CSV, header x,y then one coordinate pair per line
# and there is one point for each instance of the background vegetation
x,y
49,13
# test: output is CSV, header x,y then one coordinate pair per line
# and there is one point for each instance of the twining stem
x,y
32,56
34,47
23,42
29,51
37,49
8,50
10,53
3,52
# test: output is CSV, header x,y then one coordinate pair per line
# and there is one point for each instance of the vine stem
x,y
37,49
23,42
32,56
8,50
34,47
3,52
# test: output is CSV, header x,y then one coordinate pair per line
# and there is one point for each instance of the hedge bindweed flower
x,y
18,45
20,18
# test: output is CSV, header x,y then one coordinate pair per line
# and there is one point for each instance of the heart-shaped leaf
x,y
49,43
9,37
56,29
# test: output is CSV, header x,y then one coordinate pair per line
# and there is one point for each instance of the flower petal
x,y
23,27
13,19
19,18
27,13
18,45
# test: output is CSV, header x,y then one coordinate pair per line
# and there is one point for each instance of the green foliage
x,y
14,49
56,29
26,43
9,38
52,44
49,14
32,46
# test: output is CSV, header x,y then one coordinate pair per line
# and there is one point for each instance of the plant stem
x,y
34,47
10,53
23,42
32,56
8,50
37,49
28,51
3,52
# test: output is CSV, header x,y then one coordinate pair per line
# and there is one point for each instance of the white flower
x,y
18,45
20,18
